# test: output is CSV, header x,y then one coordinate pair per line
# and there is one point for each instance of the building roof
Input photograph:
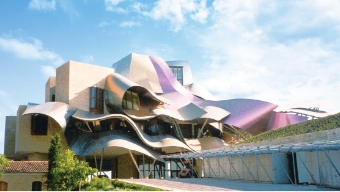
x,y
27,167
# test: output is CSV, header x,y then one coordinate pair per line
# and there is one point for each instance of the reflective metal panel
x,y
59,111
159,141
112,143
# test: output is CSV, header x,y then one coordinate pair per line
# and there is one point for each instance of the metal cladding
x,y
139,69
306,108
152,90
117,85
278,120
58,111
160,141
199,91
244,113
112,143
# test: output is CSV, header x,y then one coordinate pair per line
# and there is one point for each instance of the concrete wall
x,y
316,168
74,79
263,168
10,130
126,167
320,167
23,181
26,143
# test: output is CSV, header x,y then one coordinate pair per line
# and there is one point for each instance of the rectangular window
x,y
36,186
130,101
39,124
178,73
96,100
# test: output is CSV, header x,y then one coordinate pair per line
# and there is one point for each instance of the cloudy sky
x,y
276,51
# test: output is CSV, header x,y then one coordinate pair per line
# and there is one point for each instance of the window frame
x,y
39,124
96,100
178,74
131,100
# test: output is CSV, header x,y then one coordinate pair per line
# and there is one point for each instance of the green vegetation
x,y
53,152
66,172
104,184
3,163
325,123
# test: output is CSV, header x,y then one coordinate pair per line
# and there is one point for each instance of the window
x,y
39,124
130,101
53,98
178,72
3,186
96,100
36,186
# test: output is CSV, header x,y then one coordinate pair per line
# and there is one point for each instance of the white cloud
x,y
29,50
201,14
175,11
44,5
247,56
138,6
112,5
104,24
87,58
129,24
48,71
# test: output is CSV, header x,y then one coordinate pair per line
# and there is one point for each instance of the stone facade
x,y
23,181
73,82
127,168
10,133
27,143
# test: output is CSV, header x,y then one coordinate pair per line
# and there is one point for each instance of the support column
x,y
134,161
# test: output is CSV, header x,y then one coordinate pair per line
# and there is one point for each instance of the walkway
x,y
206,184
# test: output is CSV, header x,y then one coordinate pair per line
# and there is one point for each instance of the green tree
x,y
3,163
53,152
69,172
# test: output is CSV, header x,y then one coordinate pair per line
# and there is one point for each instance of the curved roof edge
x,y
89,144
58,111
118,85
158,141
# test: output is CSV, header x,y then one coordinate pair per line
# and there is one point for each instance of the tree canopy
x,y
69,172
3,163
65,171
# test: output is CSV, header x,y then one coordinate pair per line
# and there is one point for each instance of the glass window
x,y
178,73
96,100
36,186
39,124
130,101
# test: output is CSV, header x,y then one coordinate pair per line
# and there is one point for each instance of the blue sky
x,y
276,51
